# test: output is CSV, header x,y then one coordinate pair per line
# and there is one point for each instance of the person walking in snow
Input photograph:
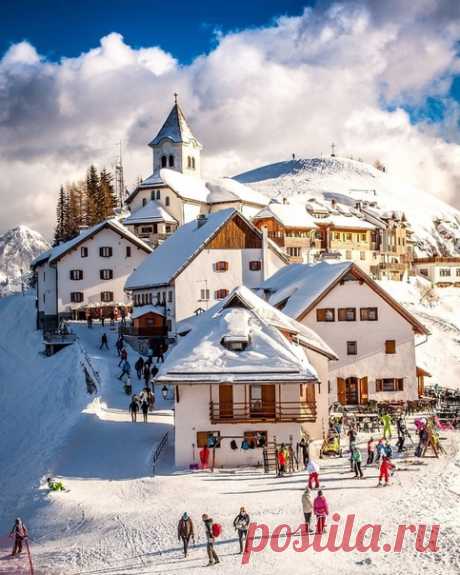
x,y
352,435
139,366
241,525
307,507
313,474
281,458
159,352
102,320
388,450
146,373
123,355
370,451
379,450
321,510
385,468
357,460
386,420
145,409
19,533
119,345
210,540
133,409
104,341
185,531
125,369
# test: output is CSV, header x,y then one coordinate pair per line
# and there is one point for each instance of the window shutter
x,y
378,385
341,391
364,396
400,384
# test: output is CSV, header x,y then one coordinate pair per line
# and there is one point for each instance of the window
x,y
255,265
106,274
193,163
146,229
204,295
444,272
221,293
352,348
144,202
325,314
76,296
368,314
255,438
106,296
171,161
389,384
363,237
164,161
362,255
390,346
170,296
76,274
348,254
337,235
152,195
158,195
105,252
457,272
221,266
44,276
207,439
84,252
167,201
128,251
348,236
168,229
347,314
294,252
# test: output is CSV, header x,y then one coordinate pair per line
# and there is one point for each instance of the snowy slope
x,y
18,247
436,224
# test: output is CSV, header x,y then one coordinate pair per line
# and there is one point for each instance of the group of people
x,y
142,402
186,533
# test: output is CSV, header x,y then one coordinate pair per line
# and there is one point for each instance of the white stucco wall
x,y
46,289
371,360
434,272
91,284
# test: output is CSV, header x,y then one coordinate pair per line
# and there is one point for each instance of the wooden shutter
x,y
310,392
226,400
390,346
400,384
341,391
363,391
268,400
378,385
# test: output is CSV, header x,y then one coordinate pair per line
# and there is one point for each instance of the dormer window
x,y
235,343
221,266
164,161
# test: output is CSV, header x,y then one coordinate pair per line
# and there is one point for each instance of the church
x,y
175,193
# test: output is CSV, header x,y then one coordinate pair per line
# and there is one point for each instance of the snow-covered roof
x,y
188,187
175,129
229,190
270,355
115,225
43,257
164,263
152,180
288,215
151,212
139,311
346,222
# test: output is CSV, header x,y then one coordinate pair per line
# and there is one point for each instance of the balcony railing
x,y
253,412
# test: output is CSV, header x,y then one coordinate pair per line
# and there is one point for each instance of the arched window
x,y
189,162
158,194
193,163
164,161
171,161
167,201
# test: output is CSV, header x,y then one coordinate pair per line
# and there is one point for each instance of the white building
x,y
246,371
373,335
87,274
199,265
441,271
177,187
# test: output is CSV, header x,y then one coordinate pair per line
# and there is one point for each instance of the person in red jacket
x,y
385,468
281,461
321,510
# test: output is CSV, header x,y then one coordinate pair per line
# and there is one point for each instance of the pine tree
x,y
59,233
74,214
107,194
93,208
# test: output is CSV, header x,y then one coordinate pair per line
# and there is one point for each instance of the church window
x,y
189,162
158,194
164,161
193,163
171,161
167,201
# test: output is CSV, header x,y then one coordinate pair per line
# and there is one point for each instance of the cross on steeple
x,y
175,97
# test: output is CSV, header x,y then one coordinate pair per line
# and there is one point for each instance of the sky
x,y
257,80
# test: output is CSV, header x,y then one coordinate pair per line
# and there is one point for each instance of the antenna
x,y
119,179
332,150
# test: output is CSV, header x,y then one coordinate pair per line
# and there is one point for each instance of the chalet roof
x,y
223,190
113,224
288,215
185,186
172,256
140,311
41,258
270,356
151,212
342,221
175,129
300,287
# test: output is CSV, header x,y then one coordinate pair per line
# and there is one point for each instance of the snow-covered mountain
x,y
18,247
436,225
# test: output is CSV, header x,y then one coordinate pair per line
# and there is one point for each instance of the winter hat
x,y
185,516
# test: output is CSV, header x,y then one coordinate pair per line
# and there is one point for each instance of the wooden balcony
x,y
255,412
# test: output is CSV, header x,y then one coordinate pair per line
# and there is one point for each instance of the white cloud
x,y
261,94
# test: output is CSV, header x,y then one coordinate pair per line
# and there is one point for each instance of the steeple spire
x,y
175,128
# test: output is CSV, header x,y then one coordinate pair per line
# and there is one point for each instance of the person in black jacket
x,y
19,532
185,531
241,524
145,409
139,366
212,555
146,373
133,409
104,341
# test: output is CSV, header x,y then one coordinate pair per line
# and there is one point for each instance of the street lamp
x,y
164,392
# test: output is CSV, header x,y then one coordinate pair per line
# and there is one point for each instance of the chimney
x,y
201,220
333,203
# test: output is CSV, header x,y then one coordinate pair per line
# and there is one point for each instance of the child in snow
x,y
19,532
307,506
385,468
370,451
379,450
313,477
321,510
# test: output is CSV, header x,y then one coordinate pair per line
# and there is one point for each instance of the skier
x,y
145,409
133,409
307,506
210,538
386,420
385,467
19,532
185,531
357,460
125,368
321,510
379,450
241,524
388,450
313,471
370,451
104,341
139,366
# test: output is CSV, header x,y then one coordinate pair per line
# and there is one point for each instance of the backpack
x,y
216,529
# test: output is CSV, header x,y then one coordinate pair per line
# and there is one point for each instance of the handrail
x,y
158,451
276,411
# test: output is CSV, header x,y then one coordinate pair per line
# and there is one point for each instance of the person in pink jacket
x,y
321,511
